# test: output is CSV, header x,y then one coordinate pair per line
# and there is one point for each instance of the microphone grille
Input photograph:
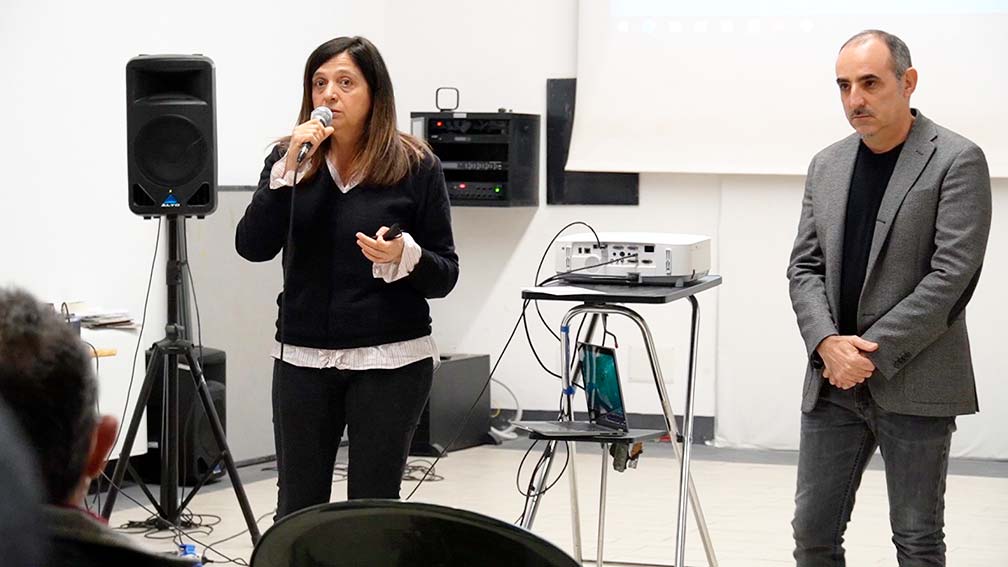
x,y
323,114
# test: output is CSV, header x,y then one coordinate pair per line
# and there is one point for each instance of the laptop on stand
x,y
603,395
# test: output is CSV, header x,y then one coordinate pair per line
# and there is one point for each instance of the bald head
x,y
899,53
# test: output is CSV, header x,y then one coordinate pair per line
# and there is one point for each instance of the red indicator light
x,y
440,124
462,185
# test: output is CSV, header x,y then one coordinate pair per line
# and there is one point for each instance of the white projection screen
x,y
742,87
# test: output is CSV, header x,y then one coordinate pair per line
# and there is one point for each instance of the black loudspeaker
x,y
197,446
171,128
457,383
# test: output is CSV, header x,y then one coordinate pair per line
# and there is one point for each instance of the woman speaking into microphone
x,y
365,229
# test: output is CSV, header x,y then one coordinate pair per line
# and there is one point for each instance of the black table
x,y
604,300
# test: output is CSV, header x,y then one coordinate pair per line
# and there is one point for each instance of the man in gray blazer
x,y
893,229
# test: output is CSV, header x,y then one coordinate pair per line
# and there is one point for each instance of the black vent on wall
x,y
577,187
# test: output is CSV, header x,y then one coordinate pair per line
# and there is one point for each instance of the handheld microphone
x,y
324,115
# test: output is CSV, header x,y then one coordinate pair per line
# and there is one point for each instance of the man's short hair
x,y
899,53
46,378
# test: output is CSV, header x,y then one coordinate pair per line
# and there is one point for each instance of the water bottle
x,y
188,551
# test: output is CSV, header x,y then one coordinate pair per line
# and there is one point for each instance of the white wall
x,y
68,231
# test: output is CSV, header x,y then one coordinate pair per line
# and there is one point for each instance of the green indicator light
x,y
497,189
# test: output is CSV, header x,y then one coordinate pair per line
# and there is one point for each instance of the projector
x,y
656,258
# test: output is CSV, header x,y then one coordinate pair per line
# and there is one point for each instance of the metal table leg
x,y
602,503
536,486
684,477
575,507
682,454
565,378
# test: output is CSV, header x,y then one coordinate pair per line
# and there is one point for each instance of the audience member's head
x,y
46,378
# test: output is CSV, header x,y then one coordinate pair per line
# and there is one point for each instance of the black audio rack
x,y
490,159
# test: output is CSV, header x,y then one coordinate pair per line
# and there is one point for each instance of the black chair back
x,y
389,533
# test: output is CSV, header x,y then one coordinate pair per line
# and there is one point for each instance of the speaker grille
x,y
171,150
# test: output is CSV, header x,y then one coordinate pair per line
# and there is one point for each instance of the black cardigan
x,y
331,298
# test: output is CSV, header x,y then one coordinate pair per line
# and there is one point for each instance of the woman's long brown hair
x,y
385,155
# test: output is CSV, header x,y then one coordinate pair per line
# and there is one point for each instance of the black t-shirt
x,y
868,184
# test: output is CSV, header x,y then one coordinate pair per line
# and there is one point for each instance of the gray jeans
x,y
838,438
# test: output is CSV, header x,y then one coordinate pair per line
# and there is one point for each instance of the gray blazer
x,y
923,265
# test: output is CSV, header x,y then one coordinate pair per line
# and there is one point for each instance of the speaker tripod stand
x,y
166,356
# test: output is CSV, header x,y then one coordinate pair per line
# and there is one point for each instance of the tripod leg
x,y
206,476
170,439
139,481
141,405
218,431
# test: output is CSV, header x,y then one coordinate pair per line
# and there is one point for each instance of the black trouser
x,y
311,408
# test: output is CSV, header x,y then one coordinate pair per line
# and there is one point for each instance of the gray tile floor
x,y
747,497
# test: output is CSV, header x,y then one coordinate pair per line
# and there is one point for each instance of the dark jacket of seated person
x,y
20,497
47,382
